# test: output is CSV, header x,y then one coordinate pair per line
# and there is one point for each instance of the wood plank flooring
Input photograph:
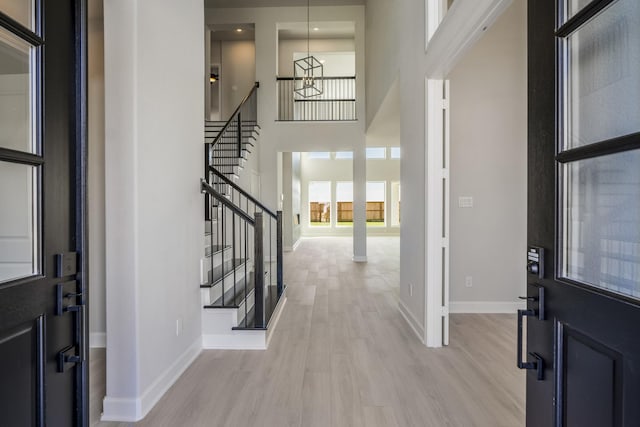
x,y
342,355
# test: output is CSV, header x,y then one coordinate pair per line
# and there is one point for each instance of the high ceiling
x,y
276,3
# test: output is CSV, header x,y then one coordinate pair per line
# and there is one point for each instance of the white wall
x,y
290,191
286,49
489,163
412,141
403,57
95,194
154,219
237,73
384,32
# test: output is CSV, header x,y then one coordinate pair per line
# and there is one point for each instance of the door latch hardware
x,y
68,356
66,264
535,261
539,311
538,364
61,296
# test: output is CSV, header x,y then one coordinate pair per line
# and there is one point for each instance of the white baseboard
x,y
236,340
408,317
135,409
276,316
97,340
510,307
294,247
121,409
359,258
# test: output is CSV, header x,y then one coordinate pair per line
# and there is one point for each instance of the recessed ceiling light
x,y
322,61
316,28
238,30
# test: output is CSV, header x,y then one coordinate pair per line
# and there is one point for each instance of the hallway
x,y
342,355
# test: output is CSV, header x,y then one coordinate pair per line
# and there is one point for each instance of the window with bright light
x,y
319,155
395,152
320,203
376,152
344,201
375,203
344,155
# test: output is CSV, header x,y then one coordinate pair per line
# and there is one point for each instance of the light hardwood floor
x,y
342,355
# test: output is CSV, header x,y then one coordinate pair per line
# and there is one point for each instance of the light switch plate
x,y
465,202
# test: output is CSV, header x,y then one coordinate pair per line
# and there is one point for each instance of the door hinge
x,y
445,311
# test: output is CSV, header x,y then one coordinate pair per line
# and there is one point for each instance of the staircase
x,y
242,287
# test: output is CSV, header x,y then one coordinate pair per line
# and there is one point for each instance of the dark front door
x,y
583,317
42,316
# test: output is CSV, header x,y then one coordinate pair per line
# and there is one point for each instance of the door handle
x,y
538,312
538,364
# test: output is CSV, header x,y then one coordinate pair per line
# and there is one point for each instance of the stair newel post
x,y
279,251
239,152
259,271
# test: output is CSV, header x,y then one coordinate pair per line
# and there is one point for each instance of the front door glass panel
x,y
21,11
602,86
602,222
16,93
18,221
598,94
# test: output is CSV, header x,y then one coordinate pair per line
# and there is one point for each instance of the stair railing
x,y
242,223
256,237
229,141
336,103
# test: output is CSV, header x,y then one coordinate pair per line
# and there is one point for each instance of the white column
x,y
121,206
360,202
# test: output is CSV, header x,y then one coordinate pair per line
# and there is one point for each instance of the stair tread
x,y
215,276
233,298
248,323
216,248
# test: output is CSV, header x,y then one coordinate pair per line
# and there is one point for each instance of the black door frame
x,y
82,247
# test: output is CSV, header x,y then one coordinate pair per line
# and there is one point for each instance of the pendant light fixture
x,y
308,72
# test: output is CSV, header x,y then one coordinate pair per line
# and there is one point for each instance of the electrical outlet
x,y
468,281
410,289
178,326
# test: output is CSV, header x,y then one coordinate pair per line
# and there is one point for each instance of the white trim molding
x,y
436,207
358,258
136,408
499,307
461,26
413,323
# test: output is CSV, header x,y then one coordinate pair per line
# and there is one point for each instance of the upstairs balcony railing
x,y
336,103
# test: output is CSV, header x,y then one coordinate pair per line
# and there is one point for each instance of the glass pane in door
x,y
602,80
18,221
16,94
572,7
602,222
20,11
